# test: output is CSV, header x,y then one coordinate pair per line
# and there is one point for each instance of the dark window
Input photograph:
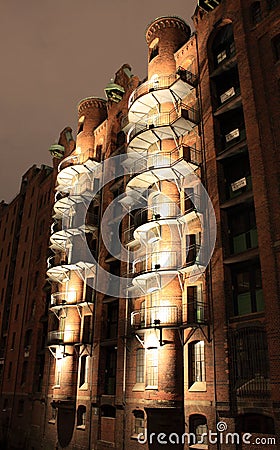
x,y
16,311
81,416
9,370
223,45
198,429
250,365
30,210
19,285
9,248
108,411
36,279
256,13
276,47
110,371
195,307
23,259
20,409
112,320
83,370
13,341
247,290
24,372
86,338
242,229
271,4
154,52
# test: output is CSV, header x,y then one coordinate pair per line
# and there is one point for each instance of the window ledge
x,y
52,421
56,386
155,388
84,387
198,386
199,446
80,427
139,387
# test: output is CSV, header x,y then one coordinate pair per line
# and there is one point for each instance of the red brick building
x,y
150,336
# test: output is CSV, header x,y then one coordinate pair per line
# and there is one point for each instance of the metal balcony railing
x,y
63,337
164,82
77,159
167,210
166,159
152,316
192,314
163,260
165,119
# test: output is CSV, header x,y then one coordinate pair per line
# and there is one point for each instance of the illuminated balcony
x,y
163,212
61,240
67,337
160,90
164,125
73,166
61,273
162,165
156,261
68,299
168,316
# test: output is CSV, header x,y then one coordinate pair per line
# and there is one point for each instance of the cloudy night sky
x,y
56,52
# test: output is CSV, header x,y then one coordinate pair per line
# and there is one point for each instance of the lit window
x,y
139,422
140,365
196,362
151,368
198,430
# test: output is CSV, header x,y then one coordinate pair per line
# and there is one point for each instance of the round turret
x,y
164,37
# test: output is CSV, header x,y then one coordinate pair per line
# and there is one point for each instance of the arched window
x,y
198,429
223,46
139,422
256,13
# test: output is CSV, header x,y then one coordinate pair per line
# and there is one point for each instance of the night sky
x,y
56,52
